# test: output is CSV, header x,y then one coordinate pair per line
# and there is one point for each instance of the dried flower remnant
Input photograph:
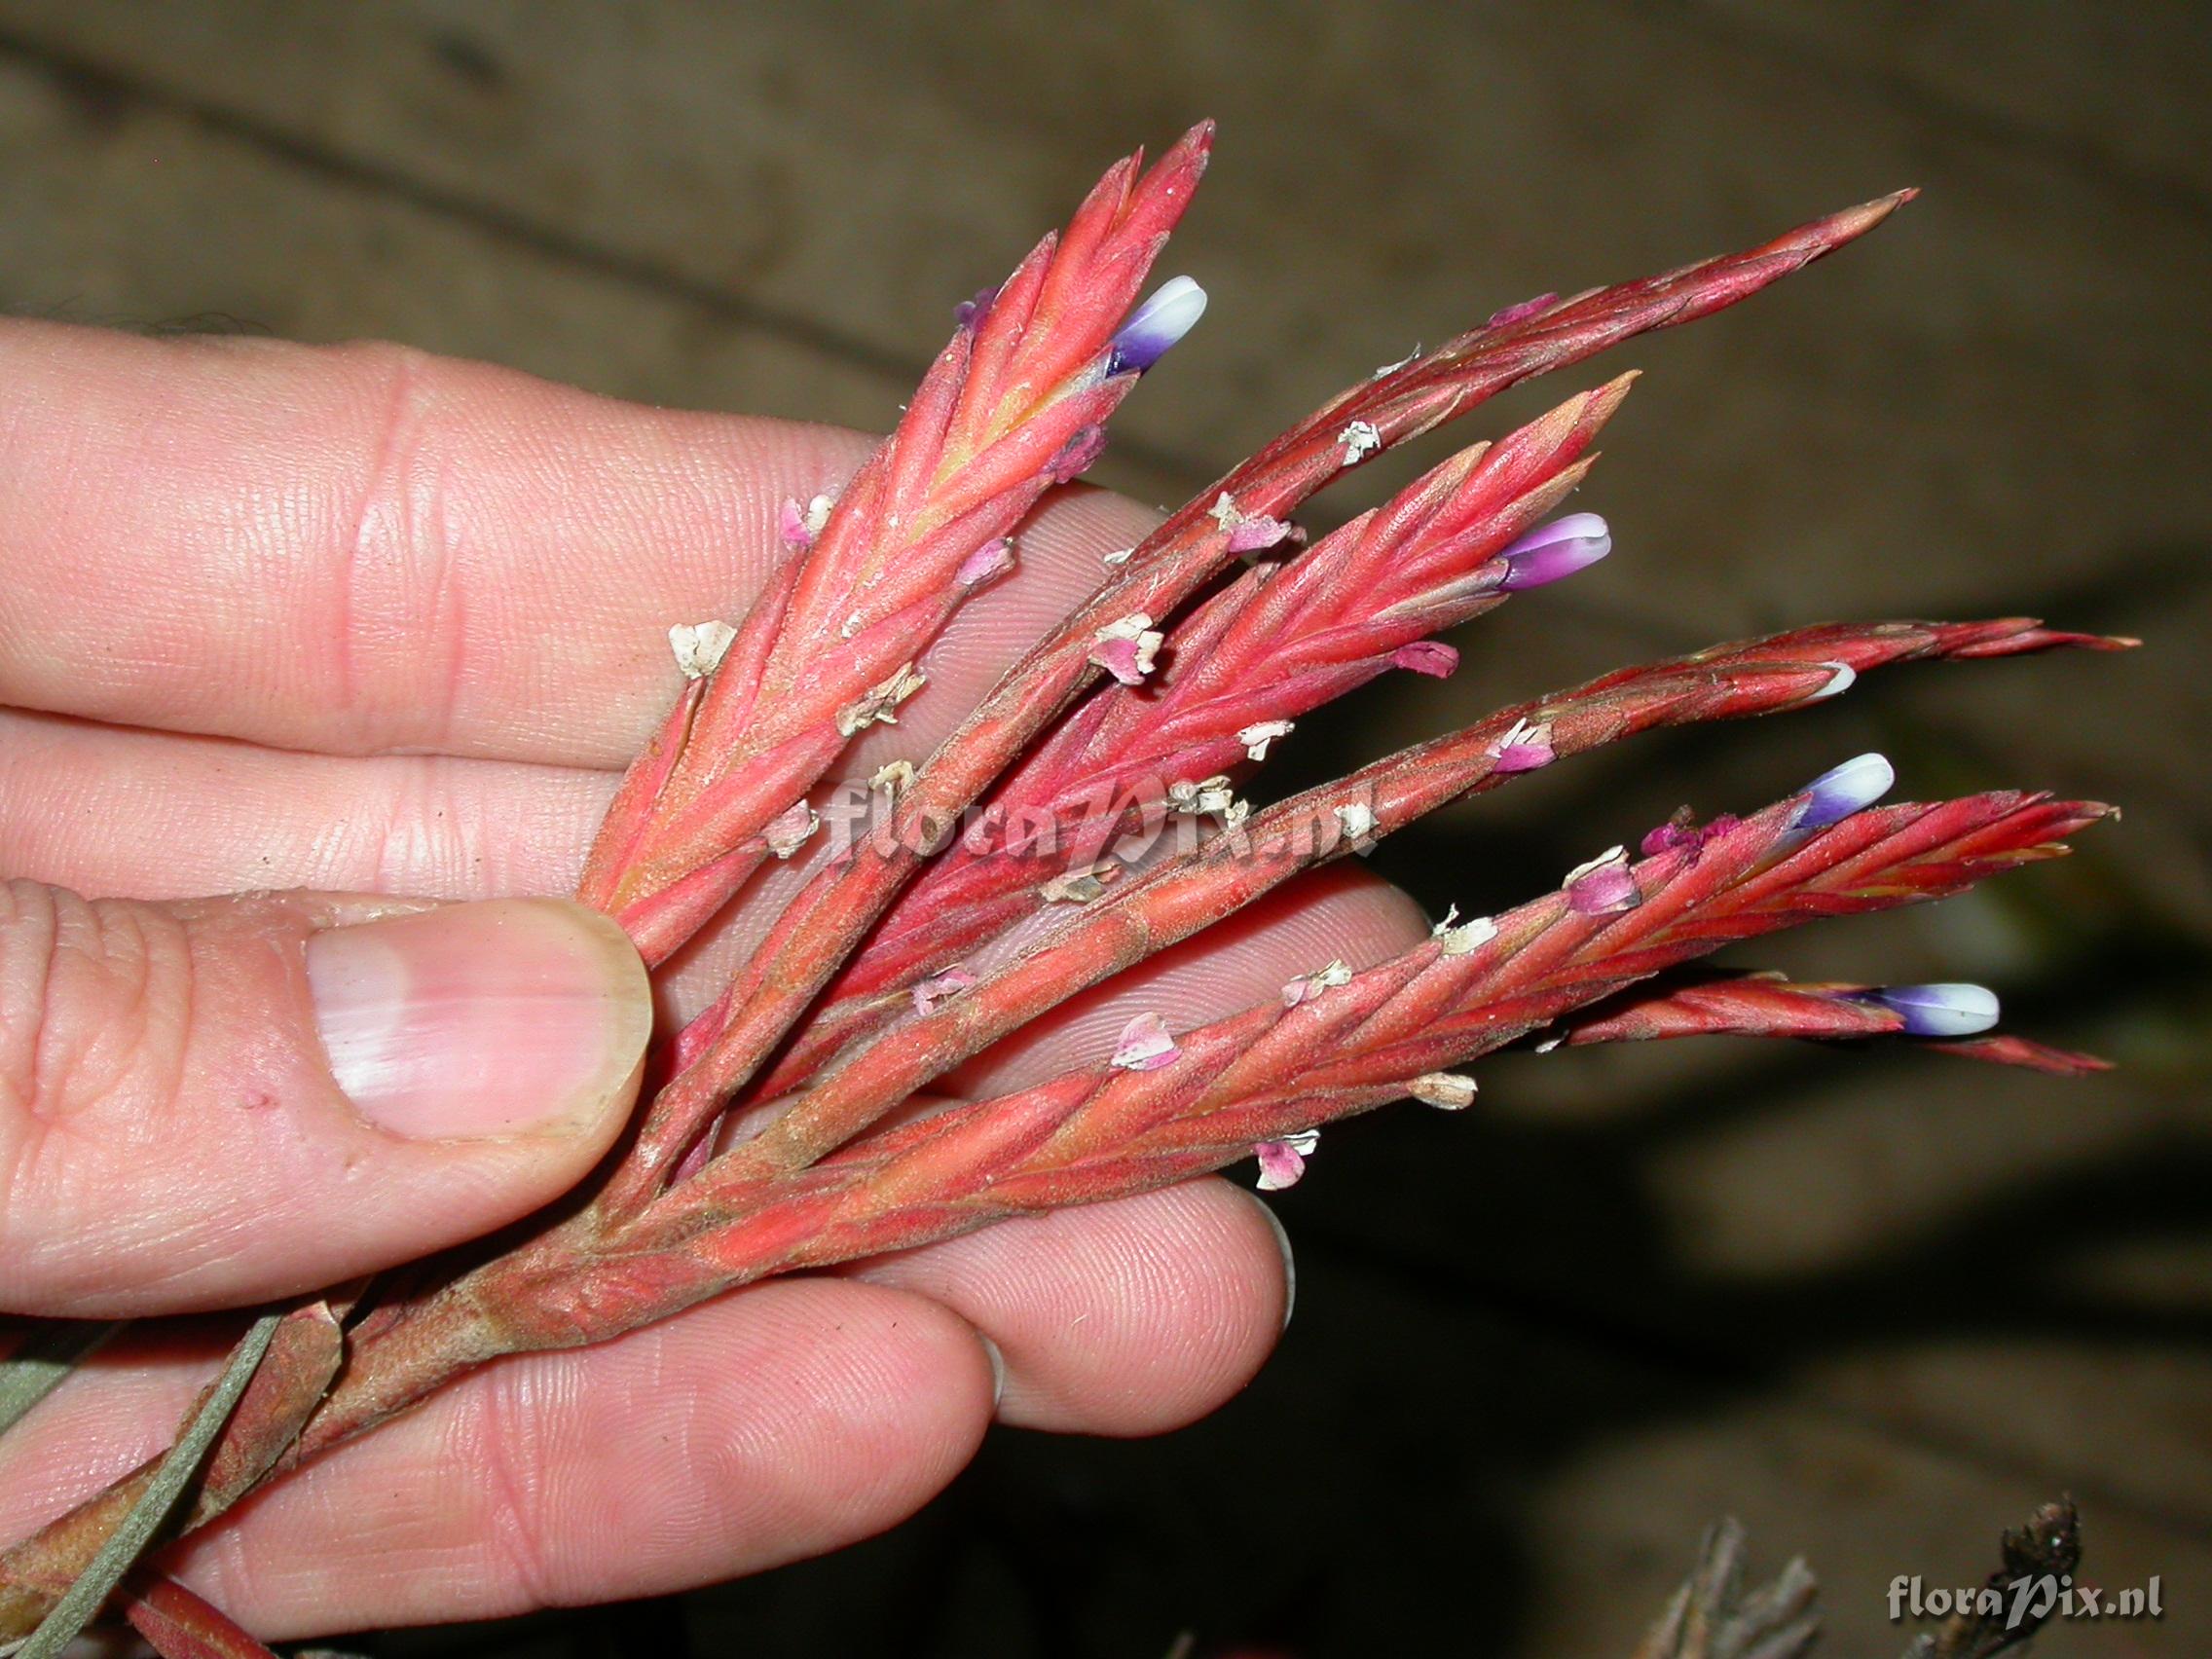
x,y
1603,885
914,950
1446,1091
1306,986
1125,648
1360,440
1146,1044
939,987
1525,748
1282,1162
1259,736
700,646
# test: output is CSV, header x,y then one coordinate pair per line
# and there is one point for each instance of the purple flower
x,y
1836,795
1554,550
1939,1010
972,314
1154,326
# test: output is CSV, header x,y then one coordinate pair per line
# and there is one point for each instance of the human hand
x,y
362,623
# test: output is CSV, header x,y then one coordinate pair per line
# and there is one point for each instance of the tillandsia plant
x,y
1089,813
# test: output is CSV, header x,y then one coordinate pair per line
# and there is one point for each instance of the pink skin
x,y
355,618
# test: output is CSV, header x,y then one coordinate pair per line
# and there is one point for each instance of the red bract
x,y
914,949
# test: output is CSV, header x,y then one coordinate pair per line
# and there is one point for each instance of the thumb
x,y
226,1100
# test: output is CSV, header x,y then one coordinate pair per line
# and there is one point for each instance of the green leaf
x,y
139,1528
55,1348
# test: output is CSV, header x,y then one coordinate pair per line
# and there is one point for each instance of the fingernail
x,y
998,1369
510,1017
1289,1261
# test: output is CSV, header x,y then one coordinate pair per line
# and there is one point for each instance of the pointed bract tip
x,y
1841,790
1154,327
1556,550
1603,401
1940,1011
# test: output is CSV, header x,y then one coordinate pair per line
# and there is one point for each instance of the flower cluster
x,y
1020,862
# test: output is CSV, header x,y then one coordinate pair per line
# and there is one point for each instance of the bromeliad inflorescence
x,y
1091,811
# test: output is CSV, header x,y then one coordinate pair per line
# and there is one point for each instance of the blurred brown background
x,y
1878,1305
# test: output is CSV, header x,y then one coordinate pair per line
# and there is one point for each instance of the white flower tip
x,y
942,987
1841,790
1126,648
992,559
1154,327
1941,1011
1843,676
1079,886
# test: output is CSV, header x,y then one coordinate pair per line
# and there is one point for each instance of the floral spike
x,y
1260,1077
1766,1005
1185,893
1017,402
827,920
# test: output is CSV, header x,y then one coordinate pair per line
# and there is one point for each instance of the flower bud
x,y
1940,1011
1154,327
1554,550
1836,795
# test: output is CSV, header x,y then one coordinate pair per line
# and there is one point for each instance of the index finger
x,y
364,549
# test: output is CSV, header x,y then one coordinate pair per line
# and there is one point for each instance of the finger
x,y
214,1102
117,812
779,1423
1130,1317
126,813
362,548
